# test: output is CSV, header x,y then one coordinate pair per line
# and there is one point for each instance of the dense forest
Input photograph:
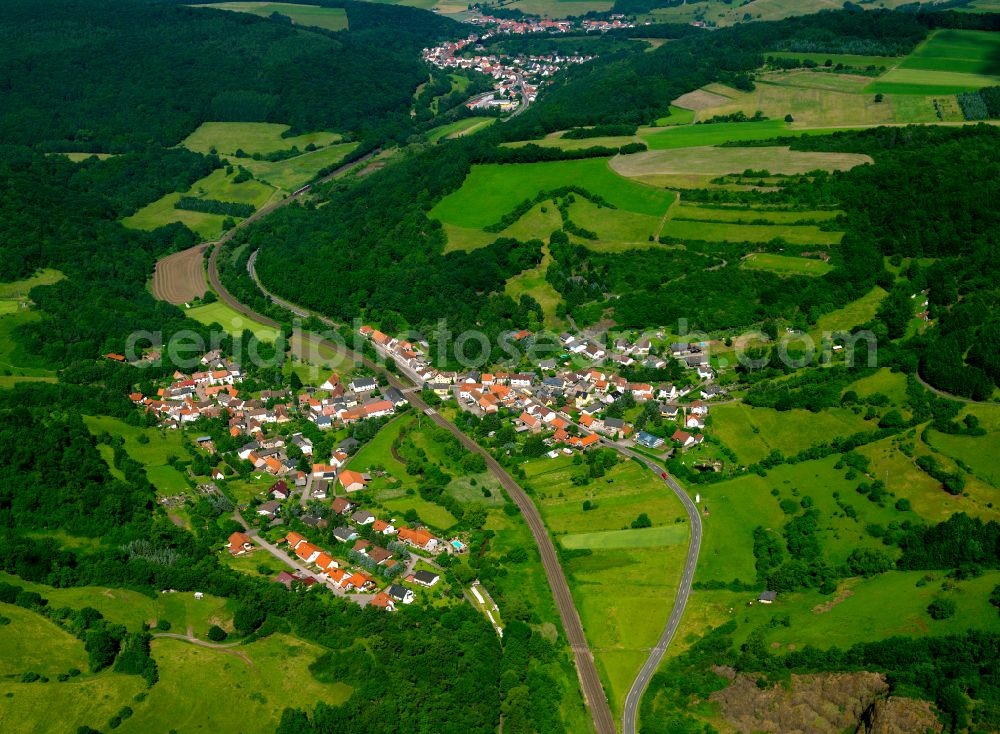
x,y
71,82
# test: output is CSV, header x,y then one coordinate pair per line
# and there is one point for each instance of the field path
x,y
224,647
593,691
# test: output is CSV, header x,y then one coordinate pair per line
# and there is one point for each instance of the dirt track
x,y
180,277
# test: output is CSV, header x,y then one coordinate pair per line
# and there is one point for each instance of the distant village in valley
x,y
516,78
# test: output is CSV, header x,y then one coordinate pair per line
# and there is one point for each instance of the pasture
x,y
532,282
679,115
817,99
621,539
737,506
155,454
459,128
18,289
727,232
314,361
704,160
754,432
853,314
217,185
231,320
259,680
80,157
332,19
253,137
180,277
33,643
785,264
737,214
490,191
561,8
625,588
132,609
292,173
262,679
949,61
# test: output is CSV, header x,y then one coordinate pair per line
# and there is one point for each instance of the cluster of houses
x,y
516,78
206,393
333,571
587,392
335,404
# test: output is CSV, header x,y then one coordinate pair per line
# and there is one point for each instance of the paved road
x,y
632,701
590,682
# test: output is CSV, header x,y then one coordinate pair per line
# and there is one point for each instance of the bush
x,y
941,608
216,633
642,521
163,625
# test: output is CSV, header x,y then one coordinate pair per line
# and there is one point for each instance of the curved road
x,y
590,681
631,712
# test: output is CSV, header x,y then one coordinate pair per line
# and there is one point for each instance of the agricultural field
x,y
332,19
728,232
231,320
292,173
949,61
30,642
490,191
561,8
724,13
818,99
154,454
217,185
785,264
712,161
853,314
754,432
460,128
253,137
180,277
735,507
625,587
532,282
261,679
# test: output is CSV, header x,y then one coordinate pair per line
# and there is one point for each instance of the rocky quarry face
x,y
831,703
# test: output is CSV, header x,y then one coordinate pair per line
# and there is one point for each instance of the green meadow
x,y
689,136
261,679
490,191
217,185
785,265
532,282
332,19
735,507
231,320
738,214
292,173
754,432
677,116
625,587
252,137
728,232
154,454
15,360
853,314
460,128
949,61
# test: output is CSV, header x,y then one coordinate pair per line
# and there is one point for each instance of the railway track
x,y
590,681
